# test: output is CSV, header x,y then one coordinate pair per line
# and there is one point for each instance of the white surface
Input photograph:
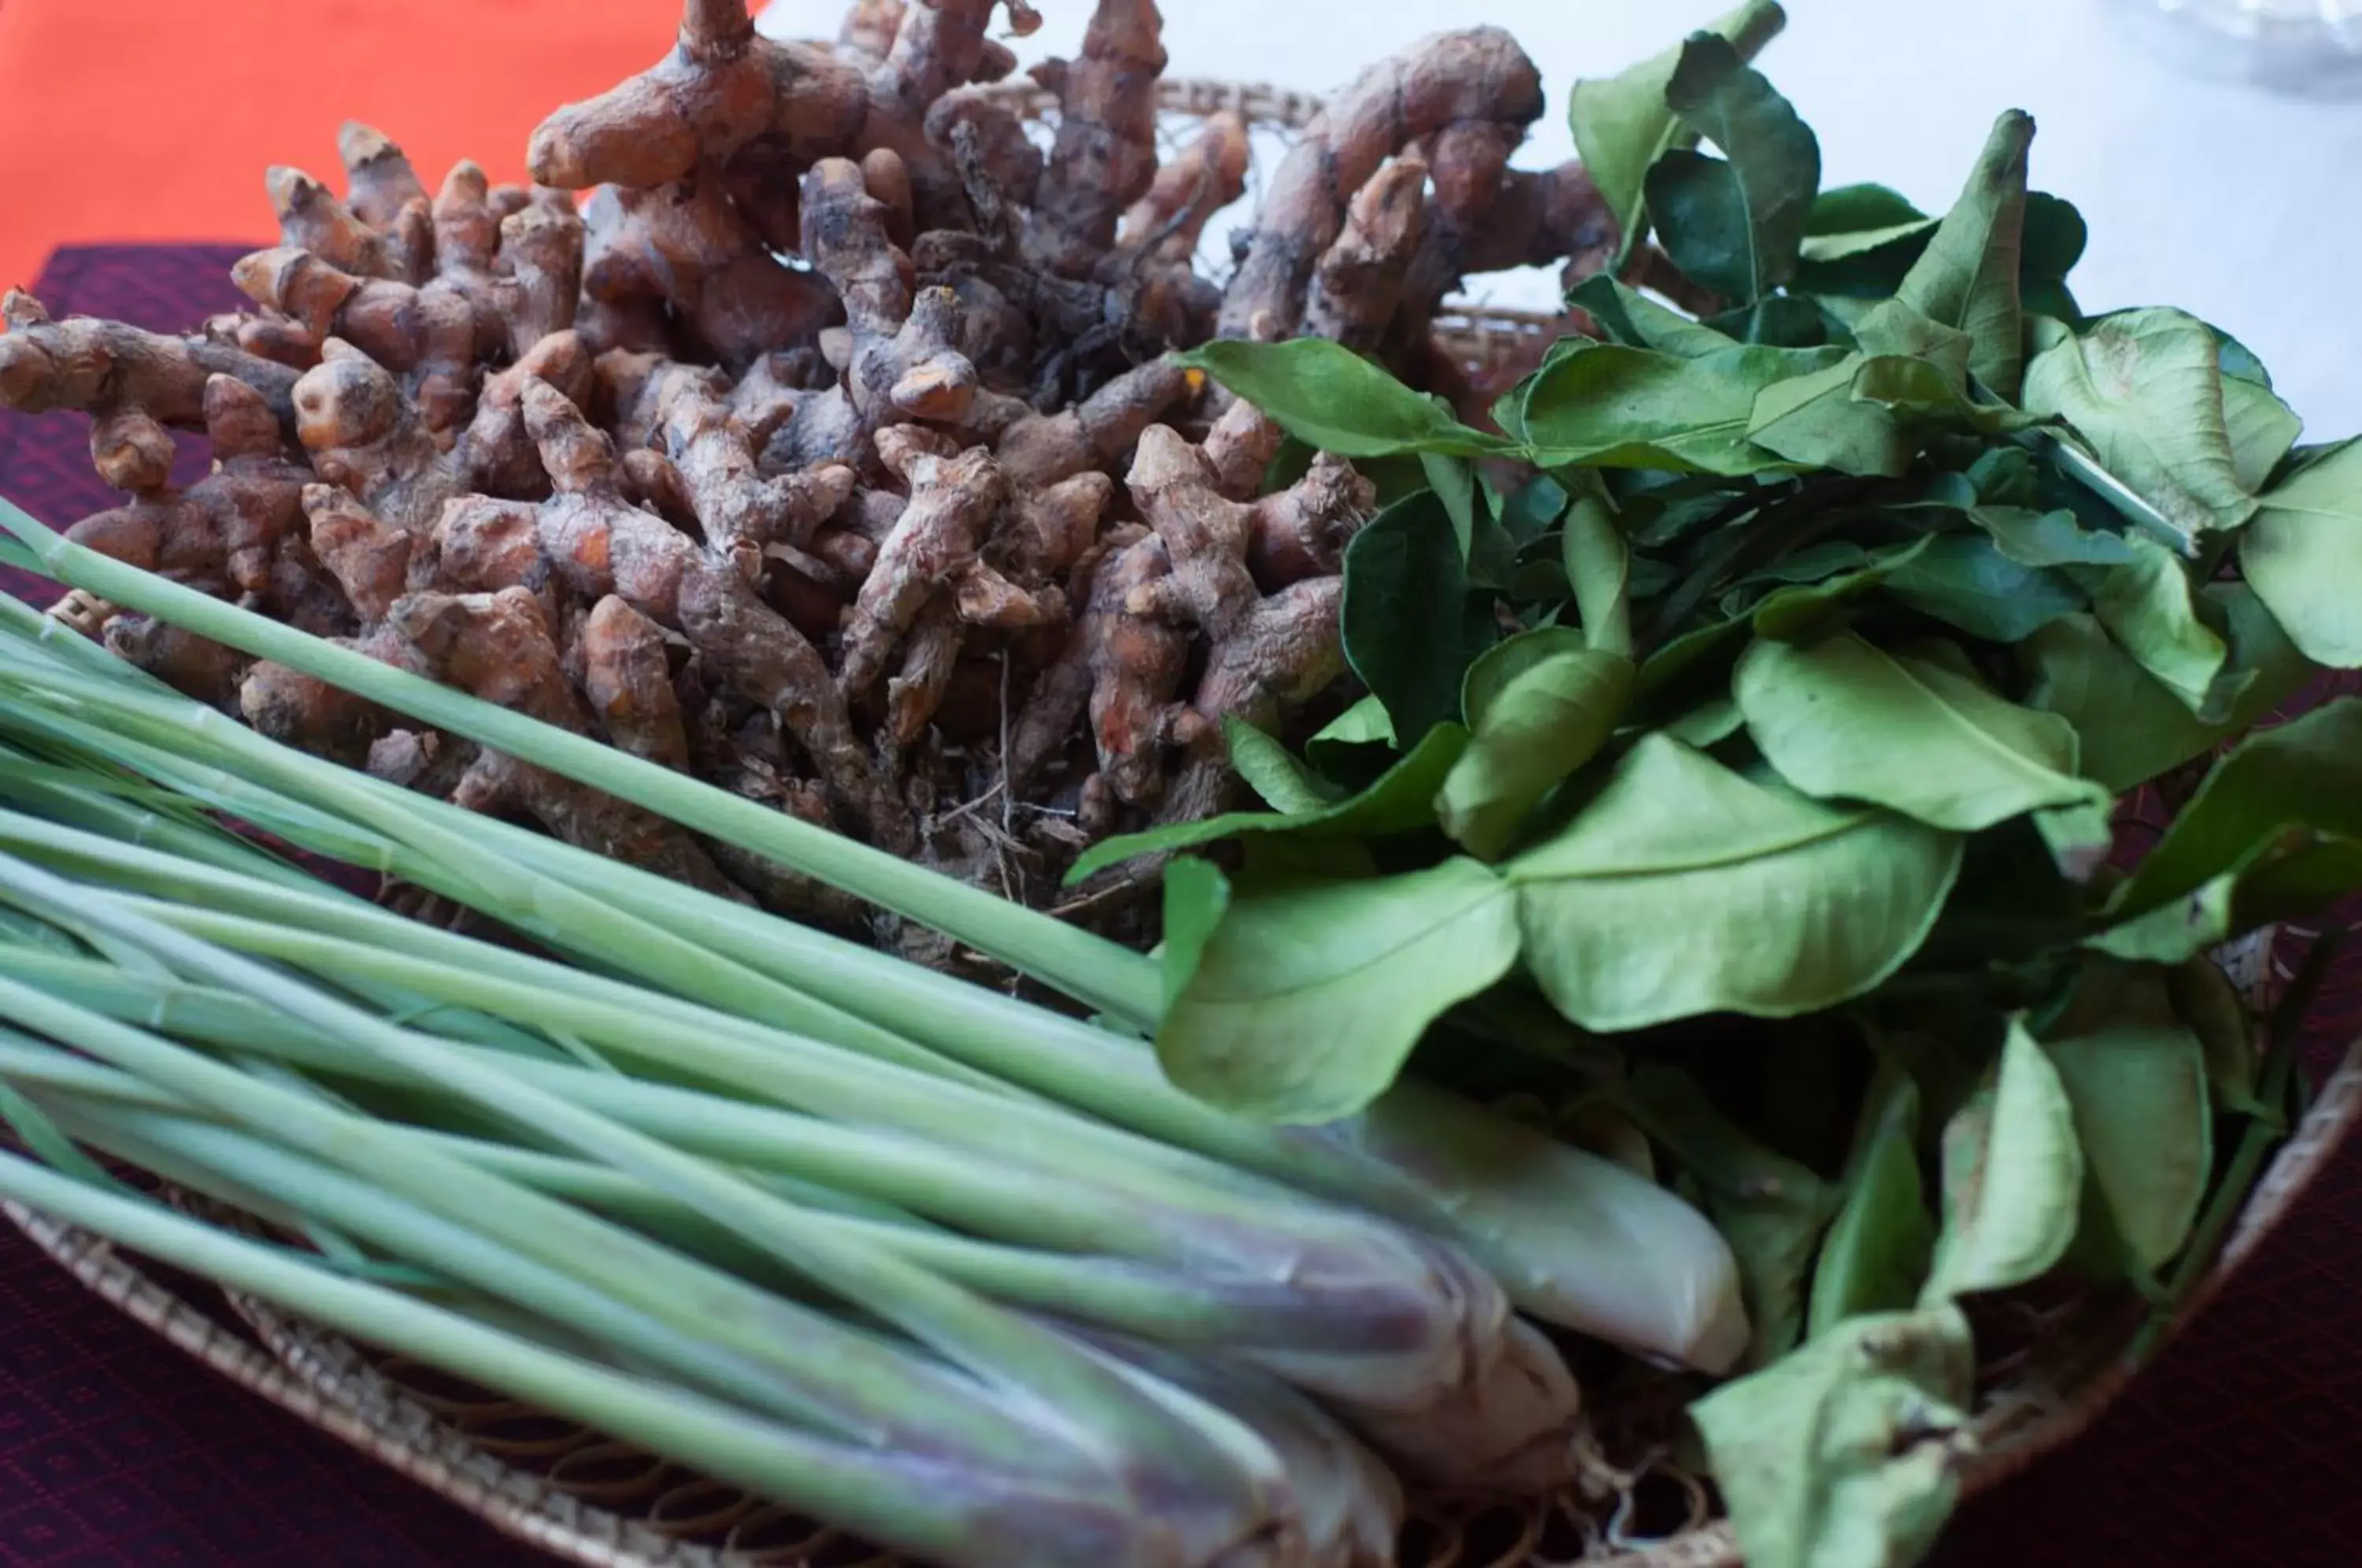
x,y
2240,206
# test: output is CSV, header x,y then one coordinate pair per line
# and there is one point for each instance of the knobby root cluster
x,y
807,427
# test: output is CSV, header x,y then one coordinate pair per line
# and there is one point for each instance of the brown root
x,y
1474,78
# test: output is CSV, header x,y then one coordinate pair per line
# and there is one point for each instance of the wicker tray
x,y
586,1500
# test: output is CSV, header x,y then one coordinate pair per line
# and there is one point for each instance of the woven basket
x,y
584,1498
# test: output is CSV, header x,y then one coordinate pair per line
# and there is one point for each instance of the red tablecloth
x,y
2240,1450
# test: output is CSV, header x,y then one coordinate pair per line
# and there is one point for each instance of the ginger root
x,y
135,385
830,448
725,88
1477,77
500,647
1104,157
899,358
1265,654
598,543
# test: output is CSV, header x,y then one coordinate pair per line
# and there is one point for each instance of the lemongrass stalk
x,y
962,1511
1254,1224
1164,1304
1096,971
1676,1299
1033,1370
53,1146
52,1078
500,887
107,819
1372,1316
349,942
1169,1304
203,1155
846,1388
1047,1052
1439,1317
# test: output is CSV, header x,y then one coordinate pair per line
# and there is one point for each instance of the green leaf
x,y
2239,361
2053,539
1707,723
1286,785
1330,397
2303,775
1401,801
1828,248
2262,429
2131,727
2013,1174
2081,836
2135,1075
2147,606
1807,612
2303,555
1622,124
1880,1245
1846,1453
1894,329
1859,242
1734,224
1870,239
1411,625
1306,1000
1769,1209
2204,999
1870,263
2143,392
1816,421
1539,502
1871,413
1454,483
1197,895
1703,652
1365,724
1844,212
1927,393
1598,572
1782,321
1684,887
2054,241
1967,276
1966,581
1814,563
1510,408
2006,476
1540,706
1631,317
1605,405
1843,720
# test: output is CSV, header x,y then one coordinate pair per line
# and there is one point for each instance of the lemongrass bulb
x,y
1577,1241
1513,1432
1349,1503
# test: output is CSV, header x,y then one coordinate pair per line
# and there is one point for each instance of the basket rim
x,y
392,1429
326,1381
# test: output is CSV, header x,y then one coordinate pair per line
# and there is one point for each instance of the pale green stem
x,y
860,1393
1286,1274
955,1512
1034,1370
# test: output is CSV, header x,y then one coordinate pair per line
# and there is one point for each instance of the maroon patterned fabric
x,y
2240,1447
